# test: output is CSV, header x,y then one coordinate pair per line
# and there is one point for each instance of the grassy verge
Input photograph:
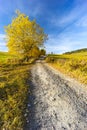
x,y
74,65
14,90
4,56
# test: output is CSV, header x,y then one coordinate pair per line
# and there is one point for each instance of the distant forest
x,y
77,51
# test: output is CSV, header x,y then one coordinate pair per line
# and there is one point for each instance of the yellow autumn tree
x,y
23,35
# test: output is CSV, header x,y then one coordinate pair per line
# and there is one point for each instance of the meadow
x,y
73,64
14,84
4,56
14,90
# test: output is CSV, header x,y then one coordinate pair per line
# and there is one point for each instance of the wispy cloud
x,y
82,22
2,43
2,48
70,16
71,34
36,11
64,21
57,49
67,42
33,9
2,36
54,44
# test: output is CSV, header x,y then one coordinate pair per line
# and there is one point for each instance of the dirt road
x,y
56,102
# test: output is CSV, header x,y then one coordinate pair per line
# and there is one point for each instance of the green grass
x,y
14,90
4,56
74,64
77,51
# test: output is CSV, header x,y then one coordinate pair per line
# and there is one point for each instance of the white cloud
x,y
34,9
3,49
2,36
2,43
70,16
66,42
57,48
56,45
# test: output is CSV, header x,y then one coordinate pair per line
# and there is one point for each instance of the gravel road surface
x,y
56,102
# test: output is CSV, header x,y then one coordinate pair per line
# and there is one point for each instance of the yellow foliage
x,y
35,52
23,35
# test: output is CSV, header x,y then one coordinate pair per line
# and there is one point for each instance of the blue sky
x,y
65,21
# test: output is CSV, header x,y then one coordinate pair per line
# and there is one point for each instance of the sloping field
x,y
4,56
74,64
